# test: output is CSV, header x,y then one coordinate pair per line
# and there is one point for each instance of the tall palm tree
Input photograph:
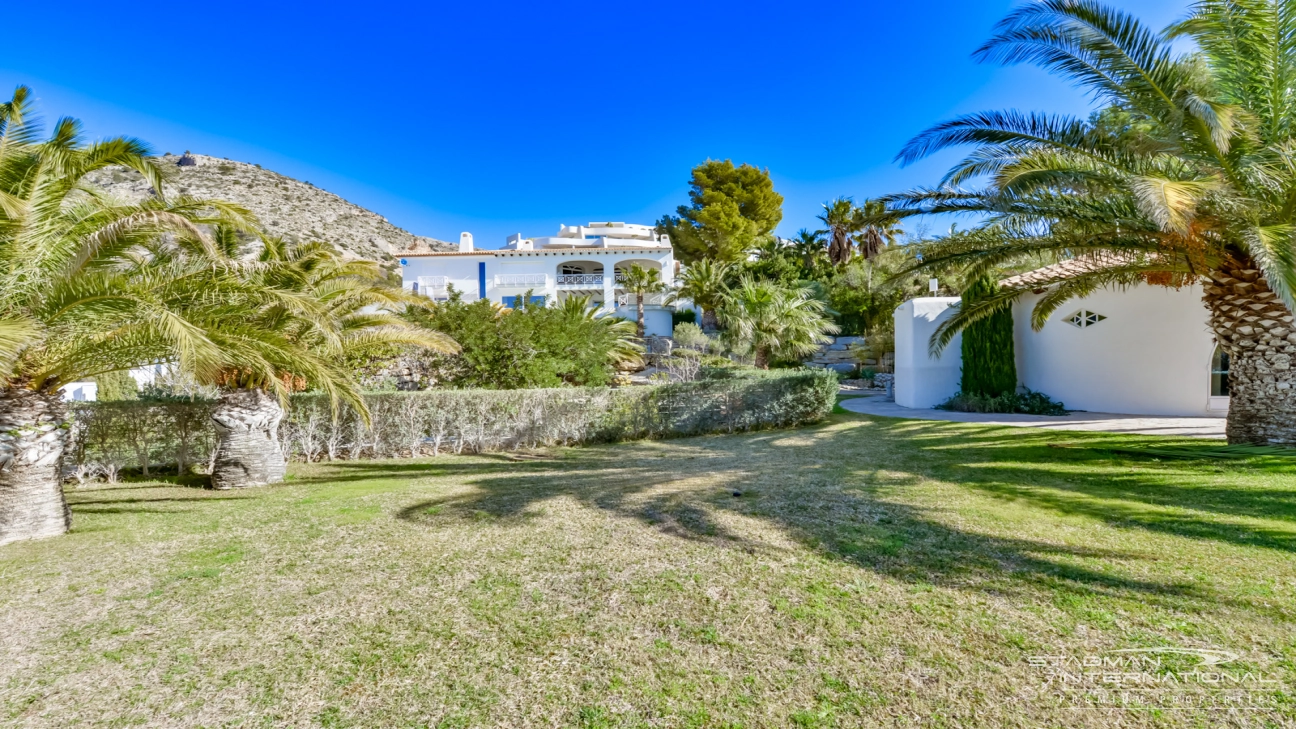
x,y
842,220
307,309
642,282
705,283
84,291
879,229
776,321
1188,174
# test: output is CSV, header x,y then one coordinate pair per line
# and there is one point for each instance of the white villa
x,y
581,260
1145,350
575,262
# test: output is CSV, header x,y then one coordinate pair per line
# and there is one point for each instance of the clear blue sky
x,y
515,117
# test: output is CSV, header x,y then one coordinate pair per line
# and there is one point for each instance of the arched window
x,y
1220,373
569,269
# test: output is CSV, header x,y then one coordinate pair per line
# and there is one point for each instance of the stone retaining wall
x,y
839,357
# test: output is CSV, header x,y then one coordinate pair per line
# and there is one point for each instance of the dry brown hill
x,y
296,210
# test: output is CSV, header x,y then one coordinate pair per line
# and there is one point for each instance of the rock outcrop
x,y
297,211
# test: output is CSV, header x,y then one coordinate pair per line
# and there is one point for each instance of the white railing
x,y
522,279
429,285
649,300
580,279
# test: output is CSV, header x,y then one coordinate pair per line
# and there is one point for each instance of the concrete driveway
x,y
1104,422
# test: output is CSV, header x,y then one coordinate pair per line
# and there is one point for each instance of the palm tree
x,y
642,282
810,245
307,309
591,328
87,286
776,321
843,221
704,283
1188,174
879,230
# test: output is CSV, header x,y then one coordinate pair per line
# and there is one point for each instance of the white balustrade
x,y
581,279
522,279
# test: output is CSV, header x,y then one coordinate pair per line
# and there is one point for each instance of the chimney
x,y
465,243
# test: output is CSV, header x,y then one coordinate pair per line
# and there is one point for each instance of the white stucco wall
x,y
462,270
1150,356
80,392
920,380
657,320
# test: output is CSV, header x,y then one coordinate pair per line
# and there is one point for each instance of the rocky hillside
x,y
286,207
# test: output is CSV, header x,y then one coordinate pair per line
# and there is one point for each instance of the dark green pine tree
x,y
989,361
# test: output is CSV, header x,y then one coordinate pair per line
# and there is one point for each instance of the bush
x,y
531,346
989,362
179,434
691,336
1027,402
117,385
683,316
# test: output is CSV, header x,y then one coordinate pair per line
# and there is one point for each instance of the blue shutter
x,y
481,280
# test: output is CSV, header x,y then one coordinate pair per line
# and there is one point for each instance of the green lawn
x,y
873,572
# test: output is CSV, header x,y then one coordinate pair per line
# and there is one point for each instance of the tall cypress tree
x,y
989,360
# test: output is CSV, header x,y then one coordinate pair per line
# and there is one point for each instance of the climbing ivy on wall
x,y
989,361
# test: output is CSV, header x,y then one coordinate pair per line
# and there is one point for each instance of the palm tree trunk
x,y
33,434
639,305
762,358
249,454
709,320
1254,326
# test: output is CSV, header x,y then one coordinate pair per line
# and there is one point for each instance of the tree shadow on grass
x,y
815,492
1199,500
439,467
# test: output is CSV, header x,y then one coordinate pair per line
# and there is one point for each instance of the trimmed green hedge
x,y
142,435
989,358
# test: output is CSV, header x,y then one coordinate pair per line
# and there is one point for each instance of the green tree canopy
x,y
731,209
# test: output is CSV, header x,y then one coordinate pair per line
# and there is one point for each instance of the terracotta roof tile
x,y
1049,275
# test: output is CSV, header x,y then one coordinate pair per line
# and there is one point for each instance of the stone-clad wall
x,y
838,356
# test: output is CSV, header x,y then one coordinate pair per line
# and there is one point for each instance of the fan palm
x,y
705,283
1188,174
306,308
642,282
87,286
843,221
774,320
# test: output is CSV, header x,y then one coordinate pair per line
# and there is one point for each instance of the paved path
x,y
1106,422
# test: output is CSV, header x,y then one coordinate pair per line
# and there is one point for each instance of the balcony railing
x,y
581,279
522,279
649,300
434,286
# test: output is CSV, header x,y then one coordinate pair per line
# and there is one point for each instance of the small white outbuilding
x,y
1143,350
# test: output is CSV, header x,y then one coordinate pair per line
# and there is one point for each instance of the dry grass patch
x,y
873,573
